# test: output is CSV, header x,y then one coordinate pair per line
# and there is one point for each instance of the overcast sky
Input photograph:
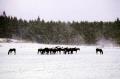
x,y
64,10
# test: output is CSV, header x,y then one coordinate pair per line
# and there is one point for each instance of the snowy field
x,y
26,64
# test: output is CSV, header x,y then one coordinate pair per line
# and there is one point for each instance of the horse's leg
x,y
8,52
38,52
96,52
76,51
41,52
49,51
71,52
102,52
14,52
99,52
44,52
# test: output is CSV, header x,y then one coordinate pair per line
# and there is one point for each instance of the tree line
x,y
58,32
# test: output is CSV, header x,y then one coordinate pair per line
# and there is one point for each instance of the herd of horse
x,y
56,50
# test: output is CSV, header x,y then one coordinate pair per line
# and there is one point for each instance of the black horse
x,y
99,50
12,50
76,49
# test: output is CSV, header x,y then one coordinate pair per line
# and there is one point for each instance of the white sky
x,y
64,10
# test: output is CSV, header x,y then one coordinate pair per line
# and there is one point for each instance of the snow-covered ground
x,y
26,64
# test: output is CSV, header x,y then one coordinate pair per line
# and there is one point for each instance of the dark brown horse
x,y
99,50
12,50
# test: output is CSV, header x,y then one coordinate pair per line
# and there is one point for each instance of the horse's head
x,y
78,48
